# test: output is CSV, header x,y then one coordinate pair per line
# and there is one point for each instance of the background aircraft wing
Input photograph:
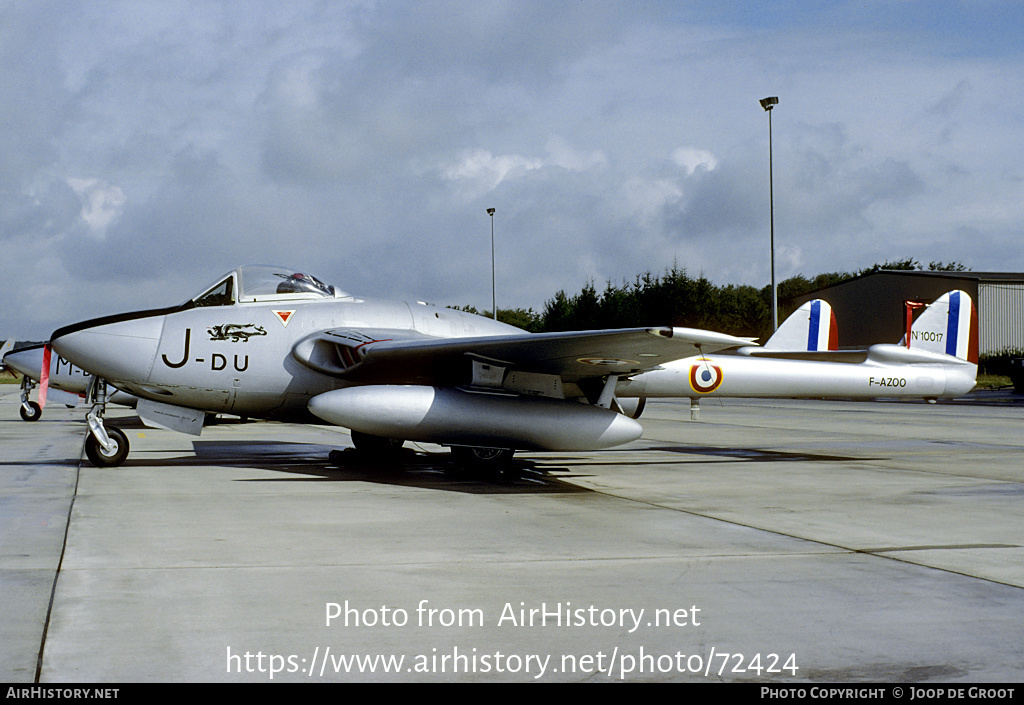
x,y
403,357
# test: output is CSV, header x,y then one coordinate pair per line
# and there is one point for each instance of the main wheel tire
x,y
99,457
470,455
32,413
490,463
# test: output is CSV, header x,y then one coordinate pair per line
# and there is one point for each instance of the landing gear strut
x,y
30,411
105,447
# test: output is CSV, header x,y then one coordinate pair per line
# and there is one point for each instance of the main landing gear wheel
x,y
486,462
100,456
377,445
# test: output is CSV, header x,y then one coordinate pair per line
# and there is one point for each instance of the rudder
x,y
812,328
948,326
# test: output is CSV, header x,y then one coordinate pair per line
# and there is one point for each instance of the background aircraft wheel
x,y
369,443
100,457
33,412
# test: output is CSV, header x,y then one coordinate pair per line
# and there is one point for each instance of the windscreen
x,y
259,282
262,282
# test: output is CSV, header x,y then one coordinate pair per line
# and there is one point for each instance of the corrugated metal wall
x,y
1000,316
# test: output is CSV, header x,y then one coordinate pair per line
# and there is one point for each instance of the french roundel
x,y
705,377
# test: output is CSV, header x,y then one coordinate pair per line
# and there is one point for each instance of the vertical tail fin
x,y
4,349
811,327
949,325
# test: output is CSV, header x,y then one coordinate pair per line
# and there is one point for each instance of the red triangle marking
x,y
284,316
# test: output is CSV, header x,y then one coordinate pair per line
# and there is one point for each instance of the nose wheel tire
x,y
101,457
32,413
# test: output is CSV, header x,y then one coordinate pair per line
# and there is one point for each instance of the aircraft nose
x,y
115,348
27,361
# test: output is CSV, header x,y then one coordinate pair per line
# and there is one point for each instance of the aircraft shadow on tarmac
x,y
405,467
437,470
701,455
759,454
410,467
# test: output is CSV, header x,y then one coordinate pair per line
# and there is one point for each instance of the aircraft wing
x,y
382,356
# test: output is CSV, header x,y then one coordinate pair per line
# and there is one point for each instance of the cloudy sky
x,y
147,146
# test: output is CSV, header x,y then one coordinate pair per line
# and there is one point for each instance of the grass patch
x,y
993,381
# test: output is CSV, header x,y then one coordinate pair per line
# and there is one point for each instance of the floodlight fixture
x,y
768,104
494,303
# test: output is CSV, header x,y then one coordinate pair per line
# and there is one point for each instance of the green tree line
x,y
678,299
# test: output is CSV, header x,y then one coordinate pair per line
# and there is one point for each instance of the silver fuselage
x,y
238,359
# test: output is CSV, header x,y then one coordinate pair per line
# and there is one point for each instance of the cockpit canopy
x,y
265,283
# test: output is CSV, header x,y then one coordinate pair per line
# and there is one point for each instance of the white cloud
x,y
647,198
692,158
562,155
478,172
101,203
483,171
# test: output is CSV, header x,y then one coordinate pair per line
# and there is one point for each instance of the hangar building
x,y
870,308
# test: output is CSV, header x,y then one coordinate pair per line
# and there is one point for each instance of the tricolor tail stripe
x,y
813,332
948,325
822,333
953,323
962,327
812,327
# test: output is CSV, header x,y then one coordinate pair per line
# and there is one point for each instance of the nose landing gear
x,y
30,411
105,447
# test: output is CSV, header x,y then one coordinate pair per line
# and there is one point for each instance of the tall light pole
x,y
494,305
768,104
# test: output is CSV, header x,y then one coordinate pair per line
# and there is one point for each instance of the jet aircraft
x,y
937,357
65,383
268,342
